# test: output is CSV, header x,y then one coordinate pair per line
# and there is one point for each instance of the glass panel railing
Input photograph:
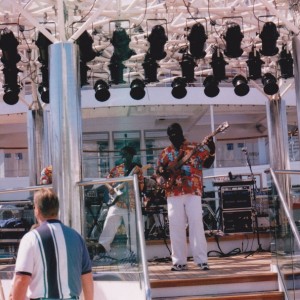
x,y
114,233
285,240
16,218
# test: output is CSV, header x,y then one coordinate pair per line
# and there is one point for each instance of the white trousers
x,y
113,221
185,209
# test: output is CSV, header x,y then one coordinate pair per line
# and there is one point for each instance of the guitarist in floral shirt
x,y
123,205
180,169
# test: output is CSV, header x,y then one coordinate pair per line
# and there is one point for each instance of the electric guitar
x,y
173,170
116,192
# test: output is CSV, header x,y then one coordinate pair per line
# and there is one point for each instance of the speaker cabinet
x,y
235,221
239,197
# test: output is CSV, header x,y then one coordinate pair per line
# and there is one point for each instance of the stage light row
x,y
179,84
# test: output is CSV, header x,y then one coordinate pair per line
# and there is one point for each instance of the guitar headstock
x,y
222,127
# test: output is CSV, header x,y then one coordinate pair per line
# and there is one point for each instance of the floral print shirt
x,y
188,179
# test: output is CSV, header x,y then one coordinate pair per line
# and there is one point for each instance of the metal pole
x,y
66,130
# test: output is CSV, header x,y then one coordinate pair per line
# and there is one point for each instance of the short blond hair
x,y
47,202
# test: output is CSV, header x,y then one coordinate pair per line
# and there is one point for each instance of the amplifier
x,y
237,221
236,197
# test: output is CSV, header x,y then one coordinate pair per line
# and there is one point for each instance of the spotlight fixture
x,y
86,53
211,86
11,86
120,40
8,45
240,84
85,43
157,39
197,39
116,68
43,44
218,64
187,67
150,68
270,85
269,37
254,64
179,88
10,58
101,88
233,38
137,89
286,63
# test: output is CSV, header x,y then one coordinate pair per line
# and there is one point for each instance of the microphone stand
x,y
254,188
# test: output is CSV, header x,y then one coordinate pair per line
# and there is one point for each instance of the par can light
x,y
179,88
137,89
101,88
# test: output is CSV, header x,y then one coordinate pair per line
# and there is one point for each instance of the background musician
x,y
124,206
183,187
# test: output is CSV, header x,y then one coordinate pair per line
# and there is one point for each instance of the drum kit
x,y
154,210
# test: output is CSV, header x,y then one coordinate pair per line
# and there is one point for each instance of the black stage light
x,y
150,68
240,84
269,37
44,86
43,44
218,65
179,88
10,58
254,64
188,67
85,43
120,40
137,89
233,38
286,63
197,39
101,88
11,86
8,45
116,68
211,86
270,85
157,39
86,54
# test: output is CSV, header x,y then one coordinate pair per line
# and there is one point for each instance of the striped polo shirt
x,y
55,256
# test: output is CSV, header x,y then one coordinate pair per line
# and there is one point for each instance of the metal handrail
x,y
25,189
139,221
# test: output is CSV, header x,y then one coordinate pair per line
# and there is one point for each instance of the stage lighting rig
x,y
197,39
157,39
211,86
240,84
43,44
270,84
188,67
150,68
233,38
218,64
286,63
137,89
254,64
179,88
10,58
101,88
269,37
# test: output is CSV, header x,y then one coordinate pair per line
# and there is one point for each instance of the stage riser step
x,y
215,286
248,296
